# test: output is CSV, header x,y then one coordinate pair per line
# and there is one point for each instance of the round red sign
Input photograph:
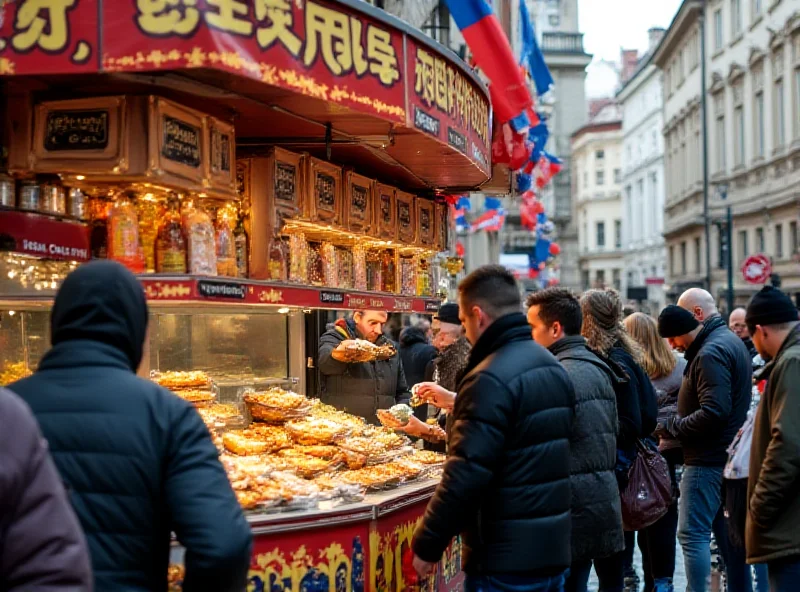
x,y
756,269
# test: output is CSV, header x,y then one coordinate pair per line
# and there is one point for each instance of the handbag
x,y
648,493
738,465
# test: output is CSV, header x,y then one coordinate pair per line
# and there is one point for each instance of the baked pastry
x,y
361,350
315,431
256,440
276,405
195,397
427,457
195,379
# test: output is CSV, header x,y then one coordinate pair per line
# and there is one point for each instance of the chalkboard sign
x,y
326,191
285,182
76,130
358,201
181,142
404,213
386,209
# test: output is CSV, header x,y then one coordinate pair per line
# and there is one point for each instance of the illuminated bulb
x,y
53,285
283,310
80,177
11,313
12,275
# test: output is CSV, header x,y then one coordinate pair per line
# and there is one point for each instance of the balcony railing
x,y
562,43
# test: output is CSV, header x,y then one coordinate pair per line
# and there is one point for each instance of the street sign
x,y
756,269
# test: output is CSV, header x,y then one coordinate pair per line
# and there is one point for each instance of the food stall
x,y
254,164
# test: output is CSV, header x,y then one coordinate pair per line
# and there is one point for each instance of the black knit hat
x,y
675,321
448,313
770,306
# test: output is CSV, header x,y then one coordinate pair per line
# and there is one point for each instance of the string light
x,y
39,274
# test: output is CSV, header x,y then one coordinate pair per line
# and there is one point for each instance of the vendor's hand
x,y
423,568
339,353
436,395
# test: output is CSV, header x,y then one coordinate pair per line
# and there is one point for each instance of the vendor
x,y
360,388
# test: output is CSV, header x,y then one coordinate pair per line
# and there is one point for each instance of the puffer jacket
x,y
667,389
41,543
596,512
360,389
773,520
506,483
138,462
416,353
714,396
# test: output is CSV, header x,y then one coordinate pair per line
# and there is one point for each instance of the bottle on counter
x,y
388,272
123,234
150,213
226,246
170,241
241,243
98,215
200,243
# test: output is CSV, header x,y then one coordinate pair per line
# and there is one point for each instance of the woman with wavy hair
x,y
636,399
665,369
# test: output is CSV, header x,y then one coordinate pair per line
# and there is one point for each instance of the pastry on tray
x,y
361,350
195,396
195,379
276,405
256,440
427,457
316,431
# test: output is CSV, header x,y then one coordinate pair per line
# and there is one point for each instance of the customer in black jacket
x,y
416,353
712,405
506,484
555,318
137,461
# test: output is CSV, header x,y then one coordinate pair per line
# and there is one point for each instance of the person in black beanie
x,y
712,405
772,532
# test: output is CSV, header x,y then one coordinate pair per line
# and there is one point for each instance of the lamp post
x,y
704,114
722,192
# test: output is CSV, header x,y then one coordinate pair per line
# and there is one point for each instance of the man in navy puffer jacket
x,y
137,461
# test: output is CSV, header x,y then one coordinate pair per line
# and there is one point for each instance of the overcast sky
x,y
610,24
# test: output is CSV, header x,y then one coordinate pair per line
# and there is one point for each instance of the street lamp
x,y
722,193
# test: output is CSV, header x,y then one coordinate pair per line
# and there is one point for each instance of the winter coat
x,y
506,484
360,389
667,388
636,401
41,543
416,353
714,396
137,460
596,512
773,519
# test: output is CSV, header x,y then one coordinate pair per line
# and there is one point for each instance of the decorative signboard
x,y
757,269
385,223
80,133
426,223
176,140
324,192
221,150
406,218
43,236
358,203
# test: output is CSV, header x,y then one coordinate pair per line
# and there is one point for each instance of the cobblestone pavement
x,y
679,580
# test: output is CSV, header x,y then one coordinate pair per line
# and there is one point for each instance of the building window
x,y
618,234
738,122
780,115
759,135
671,261
554,19
683,258
585,180
760,247
617,175
616,279
736,17
600,278
719,34
743,250
758,8
720,133
585,279
793,237
600,155
438,24
698,256
600,177
797,92
601,235
779,241
654,141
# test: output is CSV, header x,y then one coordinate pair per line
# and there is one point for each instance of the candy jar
x,y
123,234
170,241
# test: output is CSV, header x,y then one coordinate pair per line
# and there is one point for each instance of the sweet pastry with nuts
x,y
194,379
316,431
276,405
256,440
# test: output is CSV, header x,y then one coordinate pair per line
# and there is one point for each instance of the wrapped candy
x,y
359,267
298,258
330,272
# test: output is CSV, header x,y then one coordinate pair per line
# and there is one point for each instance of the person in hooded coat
x,y
137,461
42,545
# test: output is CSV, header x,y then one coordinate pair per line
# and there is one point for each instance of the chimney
x,y
629,58
655,35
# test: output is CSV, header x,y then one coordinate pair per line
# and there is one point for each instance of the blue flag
x,y
531,55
